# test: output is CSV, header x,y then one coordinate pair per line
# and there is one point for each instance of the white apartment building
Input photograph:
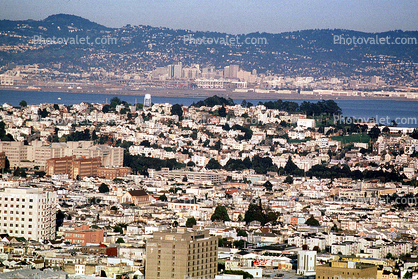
x,y
28,213
306,263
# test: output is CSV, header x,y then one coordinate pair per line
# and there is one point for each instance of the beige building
x,y
182,253
15,151
346,270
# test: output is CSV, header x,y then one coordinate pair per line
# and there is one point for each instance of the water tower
x,y
147,100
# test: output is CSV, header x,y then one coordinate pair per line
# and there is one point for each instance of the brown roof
x,y
138,193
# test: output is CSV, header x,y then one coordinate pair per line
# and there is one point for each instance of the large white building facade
x,y
28,212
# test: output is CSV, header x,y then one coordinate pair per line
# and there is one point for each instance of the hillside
x,y
301,53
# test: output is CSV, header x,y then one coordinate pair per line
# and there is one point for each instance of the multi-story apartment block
x,y
112,173
28,213
83,235
15,151
73,167
181,254
2,160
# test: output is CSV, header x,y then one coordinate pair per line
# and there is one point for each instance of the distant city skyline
x,y
235,16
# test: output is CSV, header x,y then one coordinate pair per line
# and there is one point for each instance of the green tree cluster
x,y
220,214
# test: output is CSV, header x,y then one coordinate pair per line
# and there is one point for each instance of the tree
x,y
242,233
288,179
23,104
386,130
268,186
184,178
213,164
114,102
414,134
191,222
389,256
177,110
239,244
162,198
20,172
312,222
220,214
120,240
374,132
106,109
291,168
103,188
118,229
222,111
255,213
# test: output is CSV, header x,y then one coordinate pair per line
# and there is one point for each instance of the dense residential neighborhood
x,y
212,190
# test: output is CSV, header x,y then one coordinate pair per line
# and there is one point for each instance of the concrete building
x,y
191,175
346,270
73,167
83,235
28,213
182,254
15,151
112,173
306,263
2,160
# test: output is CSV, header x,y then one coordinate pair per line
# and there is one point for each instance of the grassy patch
x,y
352,138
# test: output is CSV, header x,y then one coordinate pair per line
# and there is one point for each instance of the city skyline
x,y
235,17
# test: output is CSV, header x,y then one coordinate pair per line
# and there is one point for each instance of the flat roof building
x,y
180,254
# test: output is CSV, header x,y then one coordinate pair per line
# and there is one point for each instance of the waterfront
x,y
363,109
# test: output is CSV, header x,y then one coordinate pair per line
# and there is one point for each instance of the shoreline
x,y
203,93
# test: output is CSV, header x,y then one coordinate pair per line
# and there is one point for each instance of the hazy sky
x,y
231,16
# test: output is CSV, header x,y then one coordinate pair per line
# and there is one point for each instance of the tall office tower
x,y
147,100
226,72
181,254
28,213
233,71
306,263
178,70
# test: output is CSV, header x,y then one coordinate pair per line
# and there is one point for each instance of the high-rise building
x,y
178,70
28,213
233,71
182,254
306,262
226,72
147,100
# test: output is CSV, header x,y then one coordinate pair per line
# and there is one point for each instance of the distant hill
x,y
300,53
